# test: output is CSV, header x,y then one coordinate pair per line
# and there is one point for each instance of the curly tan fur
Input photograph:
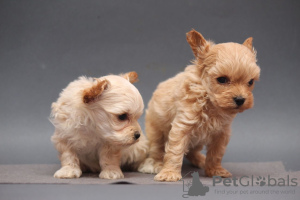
x,y
193,109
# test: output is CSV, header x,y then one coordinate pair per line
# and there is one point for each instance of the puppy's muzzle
x,y
136,135
239,101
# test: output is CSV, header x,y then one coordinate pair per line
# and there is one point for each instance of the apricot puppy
x,y
96,127
197,106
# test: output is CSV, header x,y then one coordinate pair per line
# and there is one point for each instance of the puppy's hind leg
x,y
196,157
70,167
153,164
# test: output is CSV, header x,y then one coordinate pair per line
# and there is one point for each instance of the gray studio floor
x,y
43,174
37,182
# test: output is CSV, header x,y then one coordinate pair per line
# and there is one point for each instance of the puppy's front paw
x,y
219,171
111,174
68,172
169,176
150,166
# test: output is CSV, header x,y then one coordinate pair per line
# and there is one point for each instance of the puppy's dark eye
x,y
251,82
223,79
123,117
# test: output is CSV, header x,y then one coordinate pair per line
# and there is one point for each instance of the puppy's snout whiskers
x,y
126,141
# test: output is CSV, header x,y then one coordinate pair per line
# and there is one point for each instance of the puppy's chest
x,y
88,147
206,126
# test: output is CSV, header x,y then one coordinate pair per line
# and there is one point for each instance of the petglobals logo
x,y
194,187
257,181
244,185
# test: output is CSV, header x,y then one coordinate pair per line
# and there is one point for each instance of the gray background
x,y
44,45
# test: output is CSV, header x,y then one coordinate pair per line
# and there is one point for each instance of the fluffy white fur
x,y
89,135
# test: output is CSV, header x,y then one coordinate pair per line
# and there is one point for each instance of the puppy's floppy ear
x,y
248,43
132,77
197,42
92,93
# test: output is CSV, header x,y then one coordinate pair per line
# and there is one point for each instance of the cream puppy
x,y
96,127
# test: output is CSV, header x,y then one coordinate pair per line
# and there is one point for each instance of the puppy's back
x,y
66,110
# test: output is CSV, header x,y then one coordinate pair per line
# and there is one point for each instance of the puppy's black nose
x,y
239,100
136,135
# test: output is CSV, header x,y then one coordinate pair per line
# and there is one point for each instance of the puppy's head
x,y
228,71
115,106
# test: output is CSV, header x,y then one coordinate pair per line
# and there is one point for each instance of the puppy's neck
x,y
218,112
